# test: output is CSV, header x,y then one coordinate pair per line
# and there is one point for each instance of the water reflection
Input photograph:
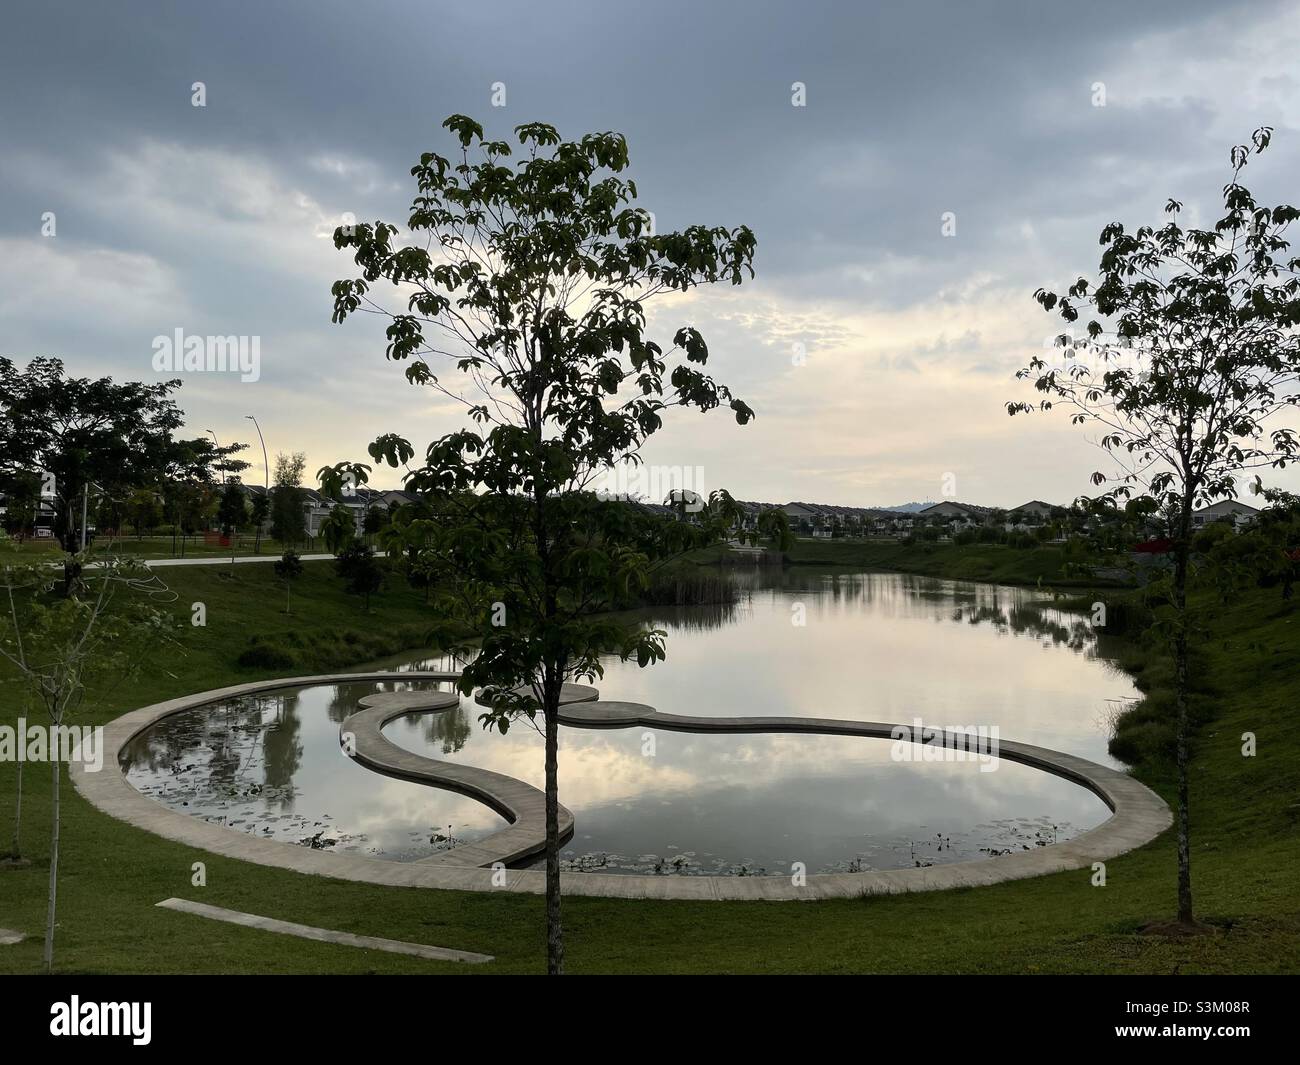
x,y
867,646
271,765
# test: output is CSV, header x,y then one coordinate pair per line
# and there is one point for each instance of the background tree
x,y
532,281
143,511
1204,353
22,496
110,509
360,570
1265,554
409,541
182,502
288,522
84,431
232,512
374,520
258,512
773,527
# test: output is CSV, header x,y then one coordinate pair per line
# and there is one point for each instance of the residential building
x,y
1230,510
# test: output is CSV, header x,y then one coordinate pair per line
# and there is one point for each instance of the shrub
x,y
1143,741
266,654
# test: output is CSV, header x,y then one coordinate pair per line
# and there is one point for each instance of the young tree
x,y
288,523
532,281
61,648
357,566
1202,353
288,568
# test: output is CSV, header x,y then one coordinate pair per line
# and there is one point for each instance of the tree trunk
x,y
18,815
71,575
54,867
1182,739
554,928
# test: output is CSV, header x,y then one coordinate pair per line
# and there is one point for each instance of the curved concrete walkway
x,y
519,803
1138,814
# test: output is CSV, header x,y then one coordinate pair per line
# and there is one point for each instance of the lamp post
x,y
217,444
266,466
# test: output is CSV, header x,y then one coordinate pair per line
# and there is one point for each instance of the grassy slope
x,y
974,562
1247,864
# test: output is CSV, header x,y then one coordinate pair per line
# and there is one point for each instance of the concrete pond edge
x,y
1138,815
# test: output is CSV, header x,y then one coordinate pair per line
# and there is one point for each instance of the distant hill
x,y
909,508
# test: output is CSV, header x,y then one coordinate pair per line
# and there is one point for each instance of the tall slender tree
x,y
1191,353
530,277
61,649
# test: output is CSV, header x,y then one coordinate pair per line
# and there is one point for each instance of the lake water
x,y
879,647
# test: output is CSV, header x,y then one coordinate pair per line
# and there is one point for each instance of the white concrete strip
x,y
221,560
324,935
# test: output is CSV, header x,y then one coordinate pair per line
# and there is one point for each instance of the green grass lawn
x,y
1246,816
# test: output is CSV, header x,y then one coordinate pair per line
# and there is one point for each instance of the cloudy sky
x,y
217,219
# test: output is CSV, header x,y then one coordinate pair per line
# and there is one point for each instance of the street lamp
x,y
265,464
217,444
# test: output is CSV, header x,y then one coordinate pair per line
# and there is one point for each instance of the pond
x,y
877,647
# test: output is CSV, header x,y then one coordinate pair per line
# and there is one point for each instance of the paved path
x,y
323,935
226,560
1138,814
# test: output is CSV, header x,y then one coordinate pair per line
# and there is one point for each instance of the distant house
x,y
1035,508
1229,510
750,511
317,506
827,519
802,516
954,511
658,510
